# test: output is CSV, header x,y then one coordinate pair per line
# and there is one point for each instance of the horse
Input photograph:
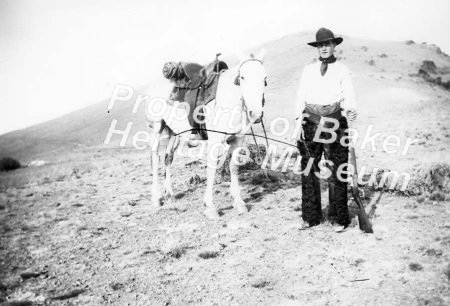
x,y
238,104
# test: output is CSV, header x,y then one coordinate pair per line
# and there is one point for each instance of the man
x,y
325,93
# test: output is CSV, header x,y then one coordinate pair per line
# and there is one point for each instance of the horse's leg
x,y
212,160
154,157
235,189
168,159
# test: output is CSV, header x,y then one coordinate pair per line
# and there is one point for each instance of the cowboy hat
x,y
324,35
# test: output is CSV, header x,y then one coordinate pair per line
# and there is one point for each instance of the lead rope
x,y
265,134
259,152
267,145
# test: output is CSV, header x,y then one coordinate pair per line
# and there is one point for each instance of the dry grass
x,y
207,254
177,252
260,283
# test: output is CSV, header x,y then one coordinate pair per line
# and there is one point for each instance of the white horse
x,y
235,109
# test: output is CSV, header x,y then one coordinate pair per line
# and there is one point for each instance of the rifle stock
x,y
364,223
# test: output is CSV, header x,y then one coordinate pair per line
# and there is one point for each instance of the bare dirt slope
x,y
81,231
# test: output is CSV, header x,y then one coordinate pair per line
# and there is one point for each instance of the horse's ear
x,y
237,81
261,54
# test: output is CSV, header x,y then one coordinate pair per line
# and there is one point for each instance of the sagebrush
x,y
9,164
432,181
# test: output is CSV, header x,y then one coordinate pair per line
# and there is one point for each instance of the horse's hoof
x,y
211,213
240,207
157,203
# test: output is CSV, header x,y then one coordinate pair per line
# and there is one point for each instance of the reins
x,y
234,134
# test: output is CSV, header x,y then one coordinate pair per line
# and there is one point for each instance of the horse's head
x,y
251,78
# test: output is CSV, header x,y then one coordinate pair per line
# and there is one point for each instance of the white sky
x,y
58,56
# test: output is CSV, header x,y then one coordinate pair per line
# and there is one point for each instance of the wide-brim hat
x,y
324,35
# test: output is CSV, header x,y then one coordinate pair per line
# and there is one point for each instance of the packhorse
x,y
235,107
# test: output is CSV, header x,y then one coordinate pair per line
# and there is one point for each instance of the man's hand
x,y
351,114
301,132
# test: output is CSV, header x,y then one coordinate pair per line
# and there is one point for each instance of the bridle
x,y
237,81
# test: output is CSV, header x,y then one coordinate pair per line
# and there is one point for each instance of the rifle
x,y
363,219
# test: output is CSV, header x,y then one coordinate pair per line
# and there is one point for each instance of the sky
x,y
59,56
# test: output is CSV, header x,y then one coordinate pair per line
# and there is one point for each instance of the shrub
x,y
433,180
447,85
420,199
8,164
207,254
255,157
437,196
251,162
415,266
427,69
177,252
428,66
260,283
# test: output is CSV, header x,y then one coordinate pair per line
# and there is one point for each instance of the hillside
x,y
381,72
83,128
82,230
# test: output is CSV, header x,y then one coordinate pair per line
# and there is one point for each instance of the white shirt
x,y
335,85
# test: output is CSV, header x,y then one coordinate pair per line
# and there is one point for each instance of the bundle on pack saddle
x,y
194,84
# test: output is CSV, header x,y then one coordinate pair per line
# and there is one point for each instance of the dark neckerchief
x,y
325,62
